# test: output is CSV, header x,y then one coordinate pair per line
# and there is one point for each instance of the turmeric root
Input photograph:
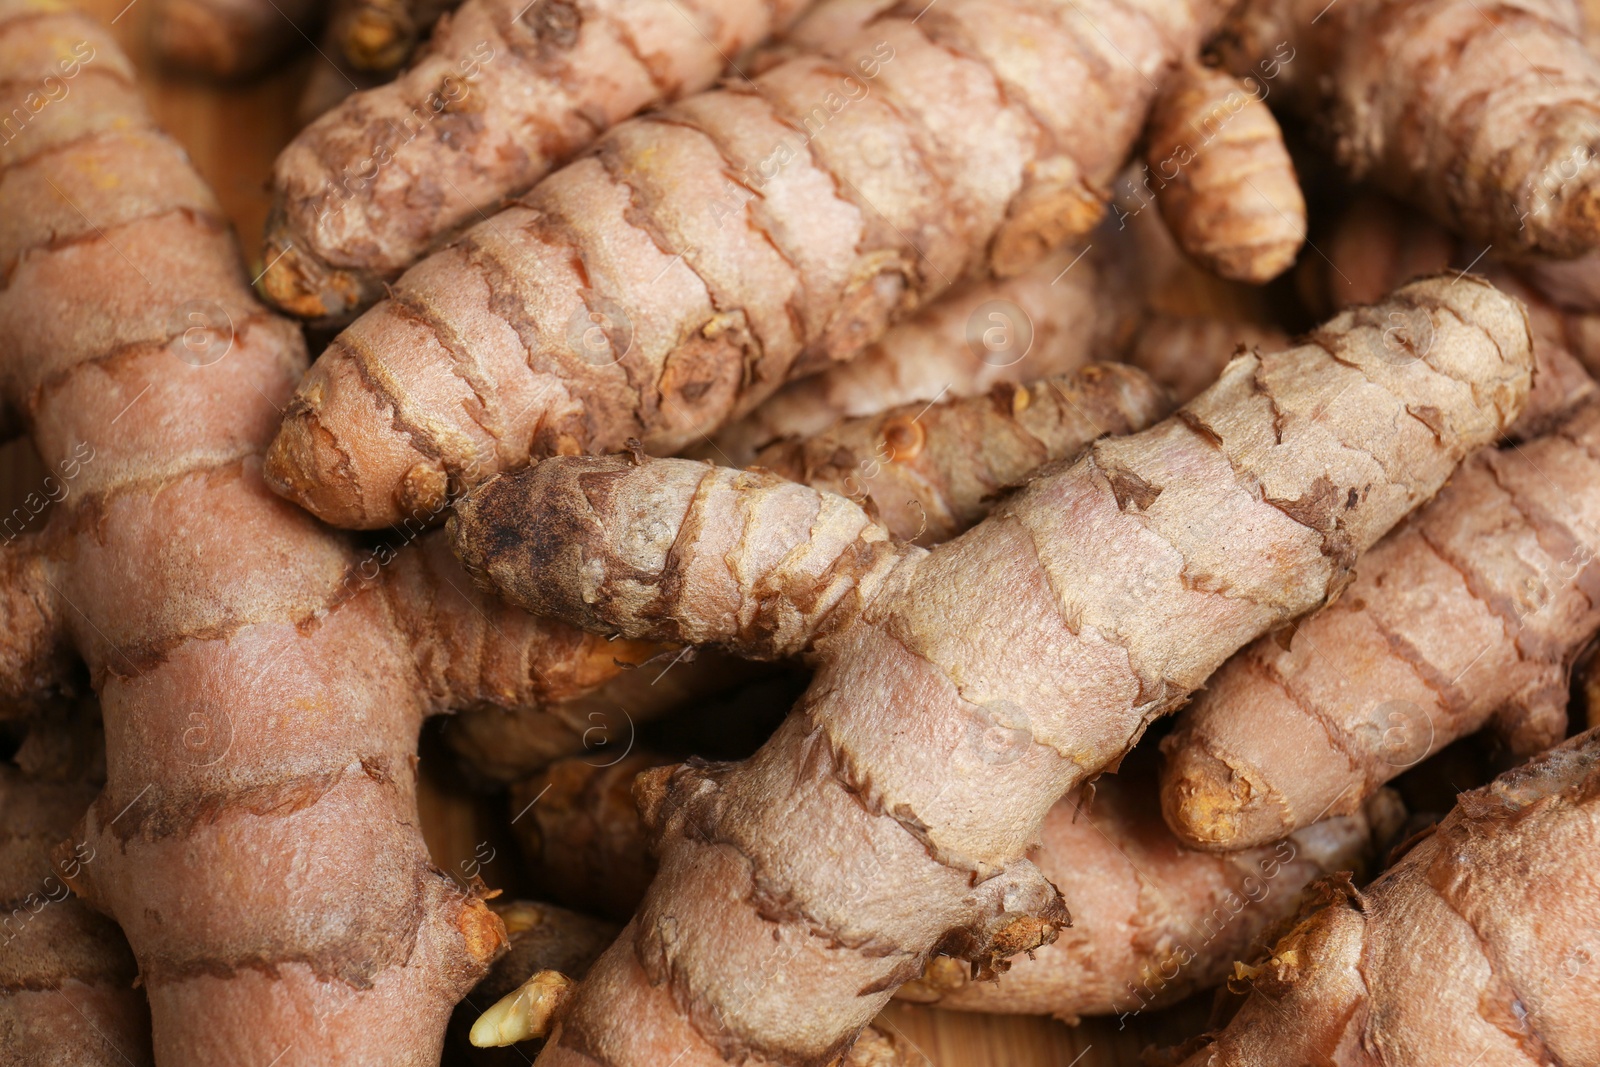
x,y
556,946
67,993
1004,661
1152,921
263,681
1485,119
1468,617
1074,307
505,92
915,469
1478,946
642,293
228,39
1222,175
929,471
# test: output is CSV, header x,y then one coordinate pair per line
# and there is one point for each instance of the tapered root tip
x,y
339,456
299,282
1211,804
523,1014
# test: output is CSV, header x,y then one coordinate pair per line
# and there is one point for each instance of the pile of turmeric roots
x,y
988,379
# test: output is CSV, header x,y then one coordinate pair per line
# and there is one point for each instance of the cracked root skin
x,y
1476,947
504,93
641,292
1224,181
1469,616
1004,666
67,996
1075,307
928,472
1485,117
262,681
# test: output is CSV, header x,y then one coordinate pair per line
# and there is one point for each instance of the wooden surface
x,y
233,133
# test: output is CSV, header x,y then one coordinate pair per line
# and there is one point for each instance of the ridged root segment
x,y
1487,117
700,256
67,991
928,472
1152,921
1223,177
675,550
1469,616
261,707
1475,944
974,685
504,93
476,651
1072,308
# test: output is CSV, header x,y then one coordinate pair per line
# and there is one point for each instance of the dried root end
x,y
1211,804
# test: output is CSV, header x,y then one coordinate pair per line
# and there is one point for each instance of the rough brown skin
x,y
1004,666
927,472
1470,616
917,470
1478,946
262,680
1487,117
545,938
493,104
1222,175
229,39
1152,921
67,995
1074,307
642,293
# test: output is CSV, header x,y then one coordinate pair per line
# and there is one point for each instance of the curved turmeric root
x,y
1002,660
67,979
1484,118
505,92
916,470
262,682
1074,307
1186,353
1152,920
227,39
1223,177
929,471
642,293
1478,946
1468,617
